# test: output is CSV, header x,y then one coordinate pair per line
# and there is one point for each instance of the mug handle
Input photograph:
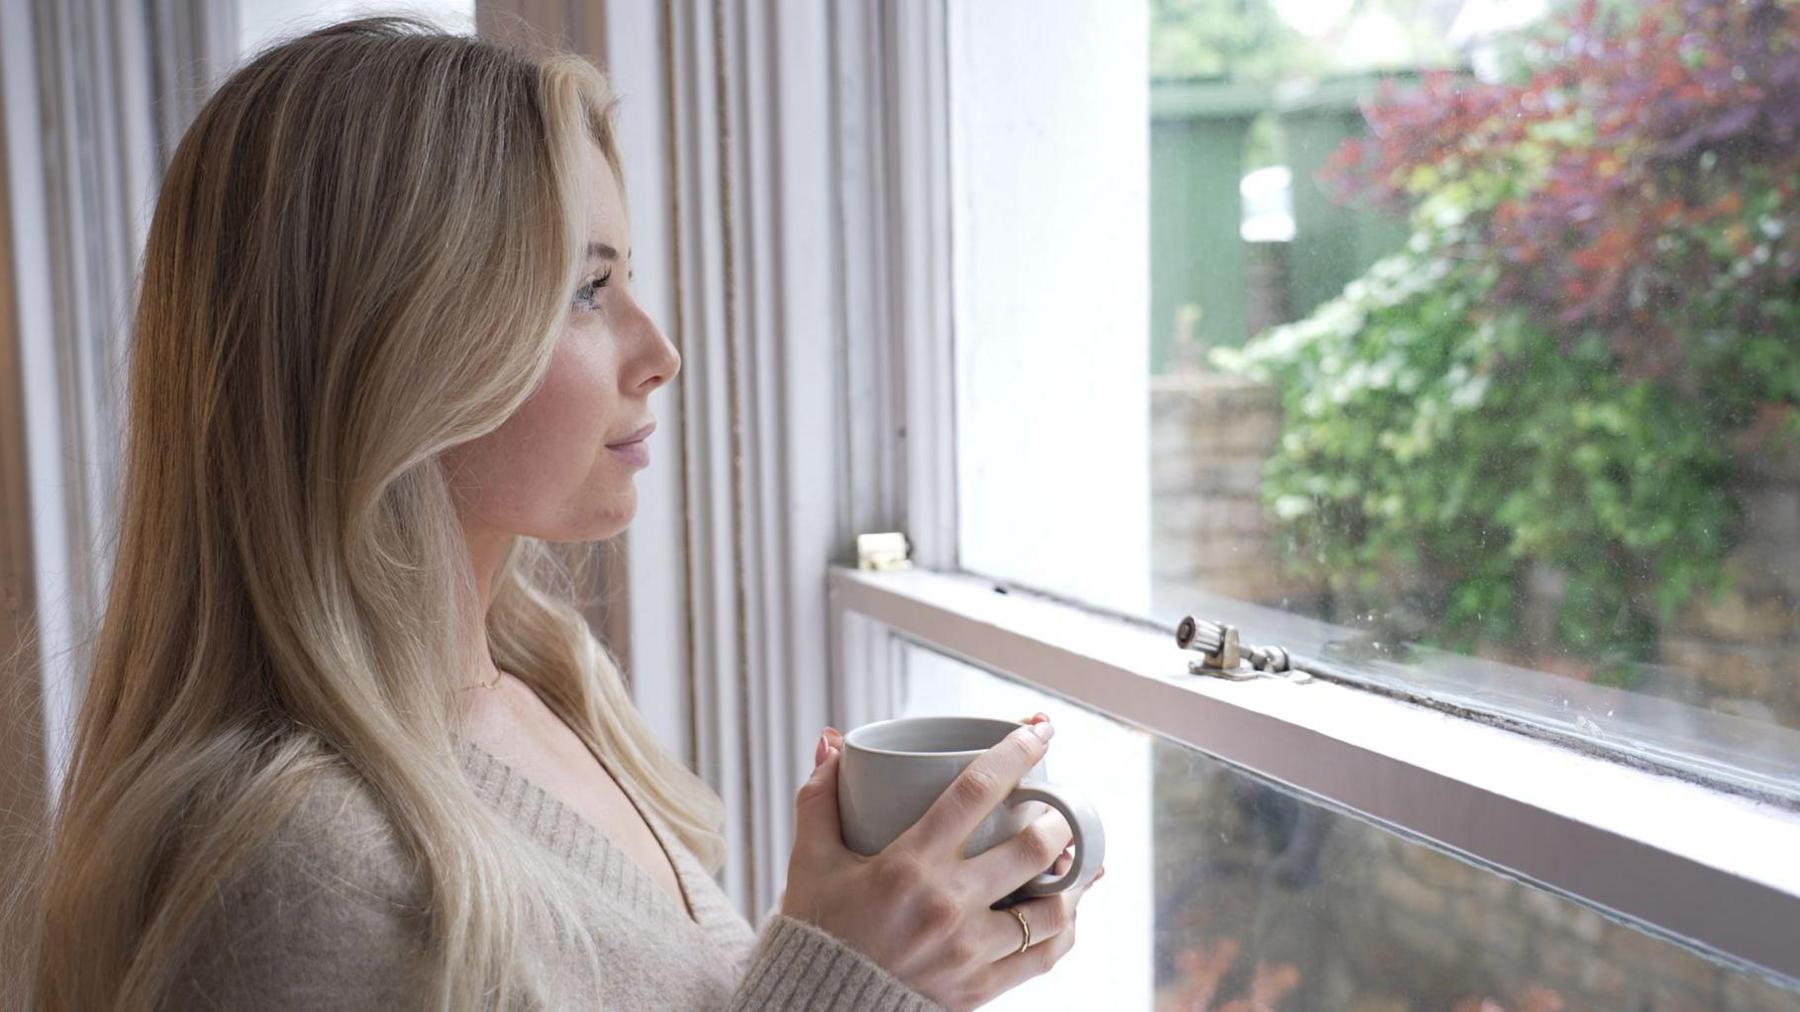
x,y
1090,839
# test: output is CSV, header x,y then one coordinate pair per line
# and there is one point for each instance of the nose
x,y
655,358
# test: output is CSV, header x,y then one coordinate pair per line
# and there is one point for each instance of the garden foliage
x,y
1595,325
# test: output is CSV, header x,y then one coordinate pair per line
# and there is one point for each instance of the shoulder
x,y
339,841
325,912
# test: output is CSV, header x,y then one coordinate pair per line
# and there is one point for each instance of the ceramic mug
x,y
893,770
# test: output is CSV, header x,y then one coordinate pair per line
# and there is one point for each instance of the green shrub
x,y
1601,298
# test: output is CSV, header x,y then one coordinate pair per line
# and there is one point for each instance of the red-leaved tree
x,y
1645,168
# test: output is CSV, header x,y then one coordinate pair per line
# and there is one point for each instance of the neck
x,y
486,550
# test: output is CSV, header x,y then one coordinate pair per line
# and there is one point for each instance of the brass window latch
x,y
1223,654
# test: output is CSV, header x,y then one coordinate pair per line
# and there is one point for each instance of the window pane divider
x,y
1707,868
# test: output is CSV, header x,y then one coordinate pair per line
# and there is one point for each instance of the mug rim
x,y
851,743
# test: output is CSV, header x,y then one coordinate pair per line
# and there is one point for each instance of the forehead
x,y
605,200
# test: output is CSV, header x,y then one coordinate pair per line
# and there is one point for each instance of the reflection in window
x,y
1226,891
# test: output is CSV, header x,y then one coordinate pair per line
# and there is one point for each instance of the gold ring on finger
x,y
1024,925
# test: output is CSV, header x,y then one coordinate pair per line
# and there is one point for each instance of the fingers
x,y
1017,967
1028,853
978,790
1020,967
1048,916
816,807
827,740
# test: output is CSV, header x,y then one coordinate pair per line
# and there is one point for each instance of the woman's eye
x,y
587,294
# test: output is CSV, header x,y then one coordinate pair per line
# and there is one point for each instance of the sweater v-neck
x,y
570,835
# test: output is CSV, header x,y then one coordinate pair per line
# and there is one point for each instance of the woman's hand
x,y
919,908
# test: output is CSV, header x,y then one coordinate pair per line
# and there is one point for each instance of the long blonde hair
x,y
362,254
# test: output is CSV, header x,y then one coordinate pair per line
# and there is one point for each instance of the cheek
x,y
542,472
565,418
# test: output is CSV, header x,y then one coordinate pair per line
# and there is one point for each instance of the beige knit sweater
x,y
326,917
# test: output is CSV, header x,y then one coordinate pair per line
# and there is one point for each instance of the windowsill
x,y
1758,758
1711,866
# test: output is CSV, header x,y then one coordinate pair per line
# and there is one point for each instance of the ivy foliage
x,y
1554,384
1433,453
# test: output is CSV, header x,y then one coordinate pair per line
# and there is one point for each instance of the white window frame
x,y
806,144
1704,867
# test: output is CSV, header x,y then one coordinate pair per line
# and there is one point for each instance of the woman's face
x,y
554,470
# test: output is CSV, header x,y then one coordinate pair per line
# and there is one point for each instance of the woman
x,y
347,743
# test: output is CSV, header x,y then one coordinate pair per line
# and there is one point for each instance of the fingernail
x,y
1043,729
819,750
1100,874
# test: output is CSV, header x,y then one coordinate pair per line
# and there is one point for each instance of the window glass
x,y
1227,891
1457,341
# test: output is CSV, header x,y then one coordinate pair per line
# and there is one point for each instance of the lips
x,y
635,437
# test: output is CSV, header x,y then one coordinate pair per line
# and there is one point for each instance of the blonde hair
x,y
362,254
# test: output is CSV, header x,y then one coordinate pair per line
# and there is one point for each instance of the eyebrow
x,y
601,251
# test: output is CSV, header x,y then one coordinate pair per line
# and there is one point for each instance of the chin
x,y
609,533
612,522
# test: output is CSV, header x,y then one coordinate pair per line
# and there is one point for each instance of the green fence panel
x,y
1198,133
1196,257
1333,245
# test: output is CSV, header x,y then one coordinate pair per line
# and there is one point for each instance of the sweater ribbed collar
x,y
571,836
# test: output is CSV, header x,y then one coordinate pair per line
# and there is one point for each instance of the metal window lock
x,y
1223,654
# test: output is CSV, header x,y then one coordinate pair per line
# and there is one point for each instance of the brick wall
x,y
1743,648
1210,434
1331,912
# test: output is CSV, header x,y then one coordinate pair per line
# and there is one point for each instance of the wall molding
x,y
824,137
788,183
95,98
